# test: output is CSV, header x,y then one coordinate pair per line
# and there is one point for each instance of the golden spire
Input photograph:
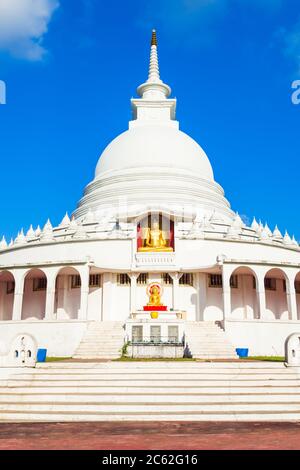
x,y
154,87
154,38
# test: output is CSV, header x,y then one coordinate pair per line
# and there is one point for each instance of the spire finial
x,y
154,76
154,88
154,38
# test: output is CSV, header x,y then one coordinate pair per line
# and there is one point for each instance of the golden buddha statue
x,y
154,299
155,240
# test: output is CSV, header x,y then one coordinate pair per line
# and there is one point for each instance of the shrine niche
x,y
155,233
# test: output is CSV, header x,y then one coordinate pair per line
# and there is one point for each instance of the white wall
x,y
214,304
61,339
95,304
121,306
263,338
187,299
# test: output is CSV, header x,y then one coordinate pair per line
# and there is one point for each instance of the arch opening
x,y
7,295
34,295
67,294
244,302
276,295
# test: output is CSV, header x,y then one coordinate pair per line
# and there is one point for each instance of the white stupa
x,y
153,250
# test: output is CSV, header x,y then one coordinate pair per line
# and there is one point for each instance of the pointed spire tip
x,y
154,38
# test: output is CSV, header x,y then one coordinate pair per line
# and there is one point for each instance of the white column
x,y
201,295
19,292
226,274
246,292
291,297
133,284
107,296
261,295
85,289
175,294
50,295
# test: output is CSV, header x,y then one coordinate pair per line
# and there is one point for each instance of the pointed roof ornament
x,y
254,224
154,88
20,238
237,222
277,234
287,239
47,233
48,226
267,230
30,233
294,241
38,231
65,221
3,243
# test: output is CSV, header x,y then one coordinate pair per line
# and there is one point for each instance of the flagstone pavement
x,y
150,436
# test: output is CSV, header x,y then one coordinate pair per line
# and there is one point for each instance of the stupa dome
x,y
154,166
155,147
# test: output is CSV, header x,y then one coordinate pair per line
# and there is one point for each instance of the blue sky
x,y
71,67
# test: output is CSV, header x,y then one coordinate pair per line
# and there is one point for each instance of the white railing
x,y
155,259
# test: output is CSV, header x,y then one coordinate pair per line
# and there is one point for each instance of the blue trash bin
x,y
242,352
41,355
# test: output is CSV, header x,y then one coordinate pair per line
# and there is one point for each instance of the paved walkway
x,y
147,436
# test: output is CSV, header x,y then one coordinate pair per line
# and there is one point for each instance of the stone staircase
x,y
206,340
151,391
103,340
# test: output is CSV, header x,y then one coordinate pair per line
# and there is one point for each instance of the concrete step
x,y
114,369
208,341
127,389
166,365
14,416
188,391
146,399
130,375
162,382
102,340
145,408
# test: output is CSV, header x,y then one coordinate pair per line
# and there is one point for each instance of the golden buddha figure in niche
x,y
154,299
155,240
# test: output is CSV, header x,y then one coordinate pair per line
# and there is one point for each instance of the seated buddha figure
x,y
155,240
154,299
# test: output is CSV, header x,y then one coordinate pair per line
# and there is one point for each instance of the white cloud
x,y
23,25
